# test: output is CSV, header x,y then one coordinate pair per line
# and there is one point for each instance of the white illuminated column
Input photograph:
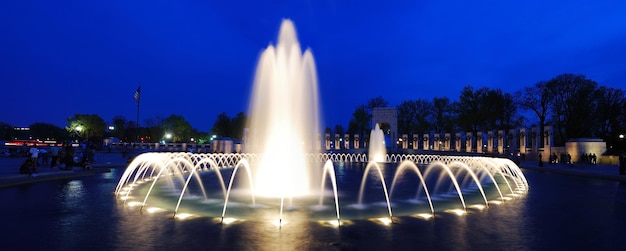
x,y
512,141
328,141
479,142
522,140
501,141
468,141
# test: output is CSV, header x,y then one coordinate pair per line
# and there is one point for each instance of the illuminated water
x,y
187,184
559,212
377,148
284,118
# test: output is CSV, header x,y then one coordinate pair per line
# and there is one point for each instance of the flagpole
x,y
138,99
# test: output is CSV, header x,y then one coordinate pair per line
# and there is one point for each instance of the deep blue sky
x,y
197,58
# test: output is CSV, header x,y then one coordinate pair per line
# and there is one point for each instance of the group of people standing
x,y
62,156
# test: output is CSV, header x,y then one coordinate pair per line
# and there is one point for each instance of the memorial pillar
x,y
522,140
468,142
501,141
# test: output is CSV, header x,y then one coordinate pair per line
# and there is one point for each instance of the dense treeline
x,y
573,105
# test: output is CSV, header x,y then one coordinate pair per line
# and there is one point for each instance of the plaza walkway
x,y
10,176
9,170
600,171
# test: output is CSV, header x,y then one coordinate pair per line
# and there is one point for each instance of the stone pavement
x,y
600,171
10,176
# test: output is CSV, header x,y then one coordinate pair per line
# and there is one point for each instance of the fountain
x,y
377,148
284,119
282,177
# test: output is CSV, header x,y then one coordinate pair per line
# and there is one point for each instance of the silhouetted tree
x,y
178,127
442,114
536,99
87,126
572,99
46,131
360,121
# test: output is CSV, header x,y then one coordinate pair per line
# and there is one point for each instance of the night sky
x,y
197,58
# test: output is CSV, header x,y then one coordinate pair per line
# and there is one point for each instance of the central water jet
x,y
284,118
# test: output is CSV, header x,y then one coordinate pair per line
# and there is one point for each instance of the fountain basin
x,y
200,185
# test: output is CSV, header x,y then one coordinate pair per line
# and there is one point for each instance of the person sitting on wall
x,y
27,167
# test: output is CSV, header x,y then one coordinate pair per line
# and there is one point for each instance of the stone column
x,y
366,142
346,141
457,142
446,142
327,141
468,142
405,141
426,142
501,141
337,141
522,140
479,142
547,137
547,142
534,139
415,141
512,141
356,141
490,139
437,142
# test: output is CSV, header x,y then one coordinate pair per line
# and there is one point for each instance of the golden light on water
x,y
278,222
495,202
154,210
478,206
384,220
228,220
424,216
458,212
134,203
183,216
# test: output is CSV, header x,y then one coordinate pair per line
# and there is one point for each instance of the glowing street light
x,y
168,136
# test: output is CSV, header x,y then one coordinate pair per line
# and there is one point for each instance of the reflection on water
x,y
558,213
